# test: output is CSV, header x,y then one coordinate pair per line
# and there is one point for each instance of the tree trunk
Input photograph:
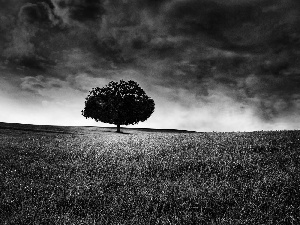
x,y
118,128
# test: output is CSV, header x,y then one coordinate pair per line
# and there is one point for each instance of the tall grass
x,y
149,178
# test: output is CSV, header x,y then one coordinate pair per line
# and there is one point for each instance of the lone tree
x,y
120,103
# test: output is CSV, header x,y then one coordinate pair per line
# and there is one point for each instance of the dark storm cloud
x,y
247,27
243,50
236,26
192,17
36,34
260,39
35,13
272,91
110,49
153,6
80,10
273,96
25,35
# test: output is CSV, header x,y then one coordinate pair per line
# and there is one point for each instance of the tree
x,y
120,103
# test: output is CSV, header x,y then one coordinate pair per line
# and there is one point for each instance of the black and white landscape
x,y
149,112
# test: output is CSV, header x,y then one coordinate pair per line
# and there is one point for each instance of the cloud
x,y
39,83
216,112
20,44
109,48
78,10
84,83
24,35
36,13
154,6
247,26
201,58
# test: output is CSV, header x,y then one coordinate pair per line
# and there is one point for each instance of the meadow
x,y
88,175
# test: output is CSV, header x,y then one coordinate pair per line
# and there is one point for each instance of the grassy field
x,y
88,175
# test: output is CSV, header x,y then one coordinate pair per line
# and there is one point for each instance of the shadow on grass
x,y
115,132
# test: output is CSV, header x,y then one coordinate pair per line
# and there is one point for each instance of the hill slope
x,y
67,175
80,129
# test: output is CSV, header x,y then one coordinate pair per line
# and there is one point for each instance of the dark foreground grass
x,y
149,178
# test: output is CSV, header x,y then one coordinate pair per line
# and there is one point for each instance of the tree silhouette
x,y
119,103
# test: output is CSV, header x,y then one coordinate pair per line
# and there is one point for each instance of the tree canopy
x,y
119,103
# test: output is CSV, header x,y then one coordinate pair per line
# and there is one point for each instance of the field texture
x,y
52,175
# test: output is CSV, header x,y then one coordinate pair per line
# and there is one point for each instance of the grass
x,y
60,175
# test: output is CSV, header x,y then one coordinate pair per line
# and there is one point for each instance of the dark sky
x,y
209,65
